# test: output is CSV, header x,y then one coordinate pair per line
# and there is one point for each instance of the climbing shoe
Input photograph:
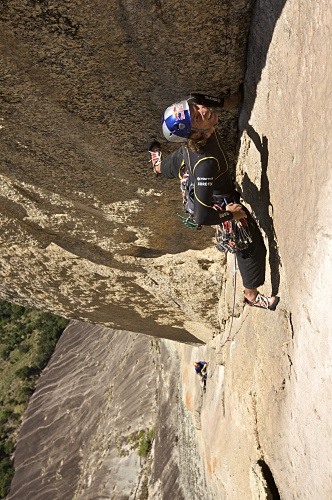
x,y
263,302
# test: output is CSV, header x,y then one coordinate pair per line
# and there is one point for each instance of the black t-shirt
x,y
209,172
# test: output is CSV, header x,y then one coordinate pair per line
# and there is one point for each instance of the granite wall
x,y
86,230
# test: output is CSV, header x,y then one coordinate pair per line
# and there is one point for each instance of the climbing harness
x,y
231,236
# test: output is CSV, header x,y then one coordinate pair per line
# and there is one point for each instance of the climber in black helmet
x,y
191,122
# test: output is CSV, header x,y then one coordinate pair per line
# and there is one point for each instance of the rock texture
x,y
177,470
86,229
265,421
263,428
78,436
288,149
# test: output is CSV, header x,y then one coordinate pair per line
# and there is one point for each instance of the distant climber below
x,y
201,370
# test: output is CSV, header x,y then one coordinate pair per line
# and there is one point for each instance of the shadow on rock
x,y
264,19
262,206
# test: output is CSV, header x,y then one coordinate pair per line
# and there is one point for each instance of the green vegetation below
x,y
27,342
142,441
145,442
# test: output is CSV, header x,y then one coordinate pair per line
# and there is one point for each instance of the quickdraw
x,y
189,221
232,236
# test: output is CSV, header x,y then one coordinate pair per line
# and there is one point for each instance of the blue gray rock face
x,y
83,89
79,436
77,439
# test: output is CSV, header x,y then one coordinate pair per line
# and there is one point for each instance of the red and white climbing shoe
x,y
263,302
155,156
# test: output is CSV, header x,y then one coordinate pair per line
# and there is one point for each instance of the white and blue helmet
x,y
176,122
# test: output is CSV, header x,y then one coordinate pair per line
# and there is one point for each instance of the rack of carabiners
x,y
232,236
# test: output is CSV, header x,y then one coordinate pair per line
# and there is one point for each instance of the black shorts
x,y
252,261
